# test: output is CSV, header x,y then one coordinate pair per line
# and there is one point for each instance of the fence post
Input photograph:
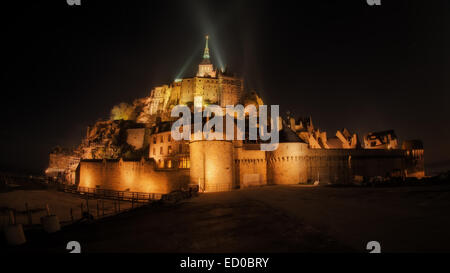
x,y
47,209
12,217
29,215
103,207
115,207
87,205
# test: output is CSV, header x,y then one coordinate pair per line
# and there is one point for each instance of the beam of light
x,y
216,53
187,64
209,27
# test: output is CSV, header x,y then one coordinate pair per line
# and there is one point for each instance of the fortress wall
x,y
341,165
212,165
250,167
286,165
137,176
377,162
294,163
328,166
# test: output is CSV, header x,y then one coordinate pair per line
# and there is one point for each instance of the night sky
x,y
345,63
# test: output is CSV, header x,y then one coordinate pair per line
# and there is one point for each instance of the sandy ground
x,y
272,219
59,203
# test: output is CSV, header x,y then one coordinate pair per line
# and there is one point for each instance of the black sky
x,y
346,63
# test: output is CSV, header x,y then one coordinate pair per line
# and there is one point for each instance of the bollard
x,y
14,234
87,205
50,223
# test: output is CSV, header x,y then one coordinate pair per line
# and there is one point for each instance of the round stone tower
x,y
287,164
212,165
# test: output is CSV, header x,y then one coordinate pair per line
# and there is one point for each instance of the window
x,y
154,151
169,149
169,138
161,150
184,163
154,140
162,139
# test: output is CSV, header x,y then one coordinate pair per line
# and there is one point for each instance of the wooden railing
x,y
111,194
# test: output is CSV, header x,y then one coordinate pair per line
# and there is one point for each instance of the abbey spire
x,y
206,53
205,68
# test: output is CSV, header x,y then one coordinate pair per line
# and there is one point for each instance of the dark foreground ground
x,y
271,219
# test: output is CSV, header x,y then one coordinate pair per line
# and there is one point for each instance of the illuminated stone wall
x,y
224,166
212,165
250,166
135,176
187,89
159,98
222,90
286,165
208,88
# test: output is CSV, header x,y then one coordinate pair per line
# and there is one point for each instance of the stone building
x,y
381,140
167,153
223,165
305,154
414,158
213,85
63,166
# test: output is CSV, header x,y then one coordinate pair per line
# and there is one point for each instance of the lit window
x,y
161,150
169,150
184,163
